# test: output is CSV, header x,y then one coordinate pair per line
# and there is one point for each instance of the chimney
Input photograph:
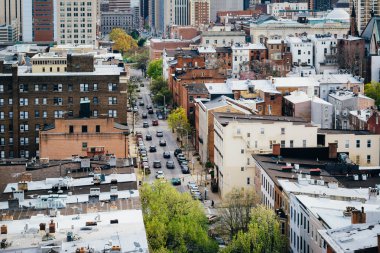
x,y
84,110
276,149
236,95
333,150
358,217
355,90
2,66
378,243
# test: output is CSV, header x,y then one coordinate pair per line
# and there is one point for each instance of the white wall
x,y
322,113
302,52
224,5
322,46
375,68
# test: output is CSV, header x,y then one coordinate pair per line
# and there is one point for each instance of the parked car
x,y
176,181
135,109
157,164
159,134
154,122
139,97
142,85
152,149
160,117
183,163
162,143
144,159
149,107
166,154
181,157
144,115
191,184
141,103
185,170
148,137
145,125
177,151
160,174
198,196
138,134
170,164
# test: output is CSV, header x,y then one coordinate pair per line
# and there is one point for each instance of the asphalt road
x,y
169,137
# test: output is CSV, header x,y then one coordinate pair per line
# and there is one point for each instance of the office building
x,y
77,22
123,20
10,20
199,12
225,5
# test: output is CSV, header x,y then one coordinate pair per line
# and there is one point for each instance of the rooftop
x,y
109,70
248,46
339,131
197,88
352,238
218,88
297,97
363,115
233,117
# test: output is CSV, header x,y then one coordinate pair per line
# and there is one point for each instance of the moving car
x,y
148,137
159,134
145,125
150,111
162,143
160,117
142,85
166,154
154,122
157,164
170,164
160,174
144,115
176,181
141,103
152,149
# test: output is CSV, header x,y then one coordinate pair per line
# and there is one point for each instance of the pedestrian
x,y
183,179
212,203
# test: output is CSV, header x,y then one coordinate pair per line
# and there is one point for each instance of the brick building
x,y
91,137
30,101
279,55
157,46
190,93
351,55
373,122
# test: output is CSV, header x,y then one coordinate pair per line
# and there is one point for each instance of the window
x,y
84,145
2,141
347,144
58,101
37,127
58,114
262,130
95,100
241,168
10,115
248,161
97,129
70,100
36,101
282,144
358,143
24,115
44,101
112,87
112,113
44,114
112,100
1,101
57,87
291,143
24,128
248,180
369,143
2,115
83,87
1,88
24,88
242,151
282,130
36,114
304,143
368,159
84,129
95,113
23,101
44,87
70,87
37,140
2,128
299,52
95,86
71,129
10,101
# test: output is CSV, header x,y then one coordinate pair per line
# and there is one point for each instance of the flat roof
x,y
108,70
340,131
224,117
297,97
128,233
248,46
352,238
218,88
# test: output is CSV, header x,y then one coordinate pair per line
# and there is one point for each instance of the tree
x,y
372,90
141,42
236,211
174,222
155,69
263,235
140,57
177,120
122,41
135,34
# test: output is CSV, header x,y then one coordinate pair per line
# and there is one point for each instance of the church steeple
x,y
353,26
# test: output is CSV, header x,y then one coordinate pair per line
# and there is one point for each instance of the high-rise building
x,y
126,7
119,5
364,11
10,20
320,5
77,22
144,9
225,5
38,20
199,12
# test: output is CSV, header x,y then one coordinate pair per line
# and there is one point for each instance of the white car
x,y
191,185
160,174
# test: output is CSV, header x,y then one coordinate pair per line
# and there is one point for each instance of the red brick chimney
x,y
358,217
276,149
333,150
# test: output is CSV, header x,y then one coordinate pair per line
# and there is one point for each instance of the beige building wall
x,y
77,22
236,142
368,147
48,64
59,143
199,12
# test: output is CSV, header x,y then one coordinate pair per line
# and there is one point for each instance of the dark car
x,y
145,125
183,163
177,151
166,154
181,157
150,111
160,117
157,164
139,97
144,115
142,85
170,164
154,122
152,149
176,181
159,134
185,170
162,143
149,107
141,103
148,137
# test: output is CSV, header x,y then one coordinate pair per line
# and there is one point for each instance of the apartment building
x,y
237,137
30,101
286,9
225,5
301,49
279,56
199,12
48,63
243,56
362,147
77,22
325,50
223,37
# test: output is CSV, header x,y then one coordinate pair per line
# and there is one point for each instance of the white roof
x,y
274,41
218,88
297,97
128,233
331,211
320,101
352,238
295,81
109,70
235,84
206,50
336,79
248,46
363,114
338,14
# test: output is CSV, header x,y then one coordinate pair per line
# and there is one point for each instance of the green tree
x,y
155,69
177,120
263,234
372,90
135,34
141,42
140,57
174,222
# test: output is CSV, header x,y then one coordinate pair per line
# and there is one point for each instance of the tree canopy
x,y
174,222
155,69
263,234
372,90
122,41
177,119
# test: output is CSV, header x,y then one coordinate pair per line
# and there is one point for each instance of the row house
x,y
279,56
245,55
30,101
